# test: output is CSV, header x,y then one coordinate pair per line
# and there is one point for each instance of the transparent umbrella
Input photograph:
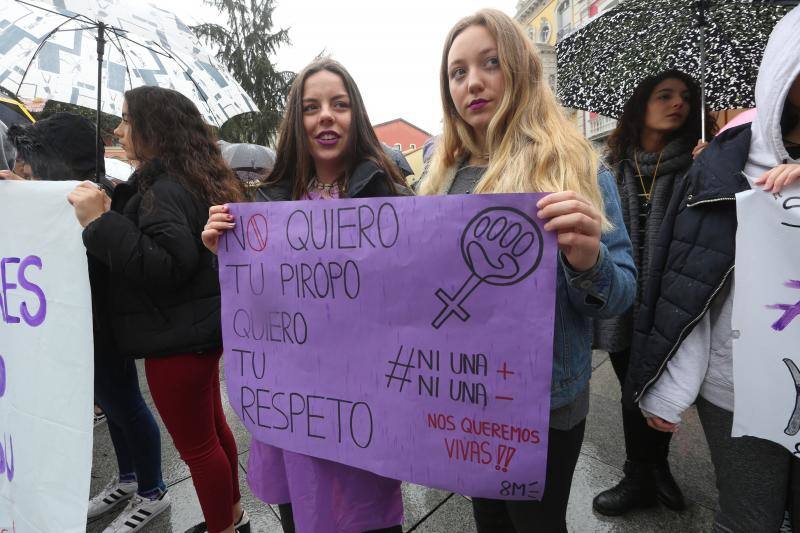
x,y
89,53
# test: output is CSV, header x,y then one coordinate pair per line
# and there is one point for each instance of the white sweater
x,y
702,365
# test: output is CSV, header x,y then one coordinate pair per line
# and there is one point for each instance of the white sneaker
x,y
111,496
137,513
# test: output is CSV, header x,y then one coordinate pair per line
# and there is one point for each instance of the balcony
x,y
563,32
599,127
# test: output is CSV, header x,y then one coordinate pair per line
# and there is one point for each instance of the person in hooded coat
x,y
682,345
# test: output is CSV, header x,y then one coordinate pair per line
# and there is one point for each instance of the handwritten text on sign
x,y
411,337
766,307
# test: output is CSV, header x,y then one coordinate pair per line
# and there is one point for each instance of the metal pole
x,y
701,22
101,43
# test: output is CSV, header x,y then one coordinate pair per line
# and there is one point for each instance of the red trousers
x,y
186,392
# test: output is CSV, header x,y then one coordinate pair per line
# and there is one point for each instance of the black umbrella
x,y
718,42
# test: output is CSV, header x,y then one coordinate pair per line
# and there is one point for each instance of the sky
x,y
392,49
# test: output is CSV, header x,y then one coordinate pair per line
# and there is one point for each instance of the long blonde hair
x,y
531,145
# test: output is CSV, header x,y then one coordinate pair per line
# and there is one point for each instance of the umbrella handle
x,y
701,23
101,44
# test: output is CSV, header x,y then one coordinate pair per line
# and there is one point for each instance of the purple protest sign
x,y
411,337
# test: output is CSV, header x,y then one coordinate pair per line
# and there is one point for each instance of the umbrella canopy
x,y
601,64
50,50
251,162
248,156
14,112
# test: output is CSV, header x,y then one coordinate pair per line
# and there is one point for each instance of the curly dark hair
x,y
293,155
169,135
630,125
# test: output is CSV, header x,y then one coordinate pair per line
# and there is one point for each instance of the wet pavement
x,y
435,511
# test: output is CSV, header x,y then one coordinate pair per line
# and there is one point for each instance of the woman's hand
x,y
660,424
779,177
89,202
699,147
219,221
578,224
10,176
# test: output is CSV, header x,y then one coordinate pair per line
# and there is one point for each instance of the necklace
x,y
316,184
647,193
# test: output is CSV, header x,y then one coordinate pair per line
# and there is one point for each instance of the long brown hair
x,y
169,135
531,145
630,125
293,161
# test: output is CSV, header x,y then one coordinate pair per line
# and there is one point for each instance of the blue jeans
x,y
134,432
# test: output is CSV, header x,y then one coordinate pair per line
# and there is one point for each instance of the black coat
x,y
368,180
154,283
692,259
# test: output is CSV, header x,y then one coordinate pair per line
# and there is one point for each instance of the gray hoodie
x,y
778,70
703,364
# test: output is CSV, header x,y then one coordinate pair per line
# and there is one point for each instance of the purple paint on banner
x,y
411,337
8,288
38,317
7,446
790,311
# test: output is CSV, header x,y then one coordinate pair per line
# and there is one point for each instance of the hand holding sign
x,y
578,224
219,220
501,246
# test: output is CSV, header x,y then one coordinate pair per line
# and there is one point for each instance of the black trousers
x,y
287,521
548,515
643,444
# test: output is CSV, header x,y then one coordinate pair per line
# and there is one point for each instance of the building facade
x,y
401,134
549,21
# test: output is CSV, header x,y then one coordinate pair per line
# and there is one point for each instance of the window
x,y
398,146
594,8
412,146
607,4
545,32
563,14
563,19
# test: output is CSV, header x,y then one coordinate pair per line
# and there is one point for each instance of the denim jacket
x,y
607,290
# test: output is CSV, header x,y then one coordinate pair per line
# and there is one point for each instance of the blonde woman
x,y
504,132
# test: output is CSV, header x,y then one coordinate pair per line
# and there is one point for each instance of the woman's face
x,y
668,106
326,117
123,132
23,168
476,81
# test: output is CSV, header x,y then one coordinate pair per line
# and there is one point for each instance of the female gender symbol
x,y
501,246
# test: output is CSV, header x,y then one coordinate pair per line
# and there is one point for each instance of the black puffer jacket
x,y
692,258
151,274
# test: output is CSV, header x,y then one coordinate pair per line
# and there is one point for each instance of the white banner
x,y
46,361
766,313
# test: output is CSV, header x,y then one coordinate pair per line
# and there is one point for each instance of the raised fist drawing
x,y
500,246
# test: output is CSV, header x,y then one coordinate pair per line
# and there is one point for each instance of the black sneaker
x,y
242,526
